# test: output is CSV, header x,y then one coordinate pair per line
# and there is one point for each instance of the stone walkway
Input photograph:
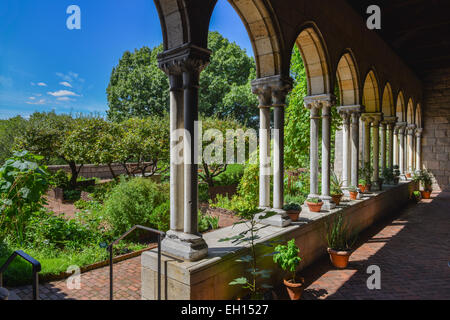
x,y
413,253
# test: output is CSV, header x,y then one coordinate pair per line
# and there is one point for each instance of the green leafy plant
x,y
60,179
338,235
425,178
292,207
23,184
388,175
417,196
352,189
251,217
336,184
362,182
207,222
314,200
287,257
366,173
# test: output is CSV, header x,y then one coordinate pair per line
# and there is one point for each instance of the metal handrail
x,y
110,248
36,269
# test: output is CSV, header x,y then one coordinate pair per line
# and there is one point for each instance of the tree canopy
x,y
138,88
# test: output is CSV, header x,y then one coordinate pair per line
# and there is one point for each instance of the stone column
x,y
367,120
396,146
176,155
410,138
390,124
314,107
419,132
376,150
272,92
355,148
383,148
186,61
346,152
401,138
328,204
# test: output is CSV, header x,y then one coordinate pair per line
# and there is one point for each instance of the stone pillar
x,y
186,61
176,155
390,124
272,92
383,148
410,138
328,204
367,120
314,107
376,150
347,151
419,132
401,158
355,148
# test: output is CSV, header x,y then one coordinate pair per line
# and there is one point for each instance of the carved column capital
x,y
319,101
186,58
272,91
410,129
419,132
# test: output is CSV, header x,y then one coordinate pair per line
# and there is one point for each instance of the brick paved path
x,y
413,252
94,285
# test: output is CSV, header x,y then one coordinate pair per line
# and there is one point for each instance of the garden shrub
x,y
160,217
132,202
61,179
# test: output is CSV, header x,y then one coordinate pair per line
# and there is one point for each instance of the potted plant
x,y
314,204
408,174
427,182
293,210
396,174
362,185
340,240
287,258
388,176
353,192
366,177
417,196
336,189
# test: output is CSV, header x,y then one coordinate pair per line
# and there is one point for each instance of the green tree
x,y
9,130
138,88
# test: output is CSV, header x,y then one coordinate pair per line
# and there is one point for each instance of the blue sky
x,y
44,66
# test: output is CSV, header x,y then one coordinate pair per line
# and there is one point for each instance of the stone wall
x,y
93,171
436,114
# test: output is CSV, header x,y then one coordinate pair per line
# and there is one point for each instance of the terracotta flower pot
x,y
426,194
408,175
293,214
339,259
337,198
314,207
362,188
353,195
295,290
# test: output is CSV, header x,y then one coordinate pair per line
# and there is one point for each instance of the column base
x,y
328,203
185,246
281,219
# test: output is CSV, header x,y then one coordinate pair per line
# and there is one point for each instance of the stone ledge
x,y
208,278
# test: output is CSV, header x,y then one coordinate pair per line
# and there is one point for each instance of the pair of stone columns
x,y
350,133
183,66
272,92
399,148
372,122
389,125
316,104
411,129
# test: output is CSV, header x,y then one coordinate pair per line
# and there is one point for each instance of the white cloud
x,y
65,84
42,84
40,102
65,99
63,93
32,98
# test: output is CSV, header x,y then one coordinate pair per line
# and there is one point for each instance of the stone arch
x,y
410,112
400,108
348,80
419,116
371,95
263,31
312,49
387,105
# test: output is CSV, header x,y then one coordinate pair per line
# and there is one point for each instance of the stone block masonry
x,y
436,142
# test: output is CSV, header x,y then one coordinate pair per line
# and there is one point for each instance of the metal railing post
x,y
111,277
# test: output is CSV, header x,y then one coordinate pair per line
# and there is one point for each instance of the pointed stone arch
x,y
312,49
410,112
348,80
400,107
387,104
371,93
419,116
